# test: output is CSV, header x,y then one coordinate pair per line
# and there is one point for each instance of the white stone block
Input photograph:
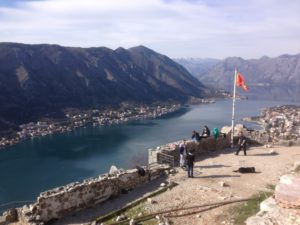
x,y
163,184
268,205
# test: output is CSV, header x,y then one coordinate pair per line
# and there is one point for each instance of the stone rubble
x,y
284,207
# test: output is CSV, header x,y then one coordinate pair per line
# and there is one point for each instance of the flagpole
x,y
233,107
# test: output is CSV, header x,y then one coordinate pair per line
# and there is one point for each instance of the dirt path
x,y
218,167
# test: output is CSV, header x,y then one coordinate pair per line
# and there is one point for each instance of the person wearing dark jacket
x,y
190,159
242,144
195,136
205,132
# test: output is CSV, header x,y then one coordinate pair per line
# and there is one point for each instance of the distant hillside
x,y
41,80
280,71
197,65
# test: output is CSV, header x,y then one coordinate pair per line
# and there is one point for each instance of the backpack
x,y
245,170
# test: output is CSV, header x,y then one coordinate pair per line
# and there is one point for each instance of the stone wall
x,y
68,199
172,149
207,144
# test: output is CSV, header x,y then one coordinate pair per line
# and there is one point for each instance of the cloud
x,y
199,28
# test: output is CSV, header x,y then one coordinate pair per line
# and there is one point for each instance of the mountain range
x,y
42,80
281,71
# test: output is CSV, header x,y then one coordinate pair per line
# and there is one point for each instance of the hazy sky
x,y
177,28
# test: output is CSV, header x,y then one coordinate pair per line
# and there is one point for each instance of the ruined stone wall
x,y
207,144
64,200
172,149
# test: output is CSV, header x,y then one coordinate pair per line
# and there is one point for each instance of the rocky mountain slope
x,y
280,71
42,80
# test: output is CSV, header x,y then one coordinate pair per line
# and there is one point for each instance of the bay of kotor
x,y
46,162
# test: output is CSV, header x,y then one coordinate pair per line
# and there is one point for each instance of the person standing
x,y
190,159
242,144
182,153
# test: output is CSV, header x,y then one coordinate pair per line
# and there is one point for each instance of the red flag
x,y
240,82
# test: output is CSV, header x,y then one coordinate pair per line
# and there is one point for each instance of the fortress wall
x,y
65,200
207,144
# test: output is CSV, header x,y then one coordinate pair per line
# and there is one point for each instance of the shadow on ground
x,y
265,154
212,166
218,176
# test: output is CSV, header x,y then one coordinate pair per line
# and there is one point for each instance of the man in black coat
x,y
190,159
242,144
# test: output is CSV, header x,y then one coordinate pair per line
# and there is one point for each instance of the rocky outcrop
x,y
287,192
272,214
284,206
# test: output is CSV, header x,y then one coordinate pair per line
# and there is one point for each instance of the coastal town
x,y
281,123
94,117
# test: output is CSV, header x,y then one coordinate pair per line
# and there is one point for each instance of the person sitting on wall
x,y
205,132
216,133
195,136
141,171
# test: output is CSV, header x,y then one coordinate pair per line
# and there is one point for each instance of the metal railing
x,y
163,158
